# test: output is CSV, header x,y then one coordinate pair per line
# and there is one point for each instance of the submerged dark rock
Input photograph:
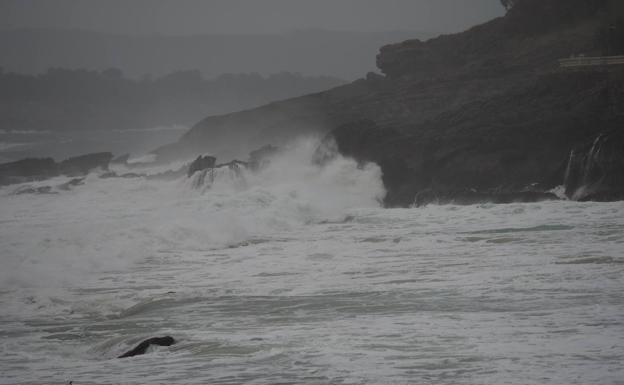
x,y
143,346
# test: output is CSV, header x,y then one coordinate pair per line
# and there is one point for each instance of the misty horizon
x,y
313,52
193,17
291,31
156,37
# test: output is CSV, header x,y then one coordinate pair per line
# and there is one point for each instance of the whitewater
x,y
295,274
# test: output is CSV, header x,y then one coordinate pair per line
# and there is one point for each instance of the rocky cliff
x,y
486,111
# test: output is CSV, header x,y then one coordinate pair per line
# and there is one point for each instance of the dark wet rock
x,y
365,141
433,171
201,163
143,346
207,177
26,170
603,196
82,165
595,171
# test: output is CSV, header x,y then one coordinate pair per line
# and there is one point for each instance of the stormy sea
x,y
296,274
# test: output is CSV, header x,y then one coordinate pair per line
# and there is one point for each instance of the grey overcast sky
x,y
184,17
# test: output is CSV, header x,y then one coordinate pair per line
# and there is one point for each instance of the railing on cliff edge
x,y
597,61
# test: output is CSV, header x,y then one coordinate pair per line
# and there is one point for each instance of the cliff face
x,y
485,110
530,38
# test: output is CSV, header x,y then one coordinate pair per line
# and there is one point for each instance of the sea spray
x,y
106,225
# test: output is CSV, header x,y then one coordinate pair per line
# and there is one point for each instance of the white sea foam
x,y
296,275
107,224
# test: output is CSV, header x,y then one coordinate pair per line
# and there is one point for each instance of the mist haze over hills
x,y
65,112
343,54
71,48
87,91
322,37
246,17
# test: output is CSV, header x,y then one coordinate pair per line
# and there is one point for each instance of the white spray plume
x,y
108,224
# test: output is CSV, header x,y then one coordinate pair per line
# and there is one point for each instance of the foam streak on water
x,y
270,281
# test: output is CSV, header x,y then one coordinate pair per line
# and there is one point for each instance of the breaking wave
x,y
107,224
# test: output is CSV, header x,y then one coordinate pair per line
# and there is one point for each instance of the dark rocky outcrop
x,y
207,176
422,177
26,170
143,346
486,111
31,169
201,163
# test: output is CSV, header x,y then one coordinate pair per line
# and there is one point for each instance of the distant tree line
x,y
67,99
